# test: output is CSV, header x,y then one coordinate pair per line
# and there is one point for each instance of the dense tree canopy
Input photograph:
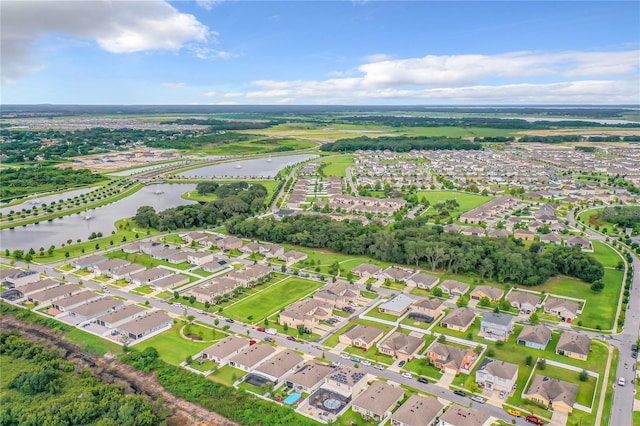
x,y
410,242
625,216
20,181
398,144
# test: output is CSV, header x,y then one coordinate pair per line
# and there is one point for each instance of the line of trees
x,y
21,181
410,242
399,144
238,199
627,217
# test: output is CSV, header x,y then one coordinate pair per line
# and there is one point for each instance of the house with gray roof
x,y
95,308
367,270
52,294
457,415
552,393
224,349
492,293
249,359
141,327
278,366
421,280
16,278
77,299
418,410
567,310
309,377
377,401
89,261
37,286
496,326
526,302
145,277
398,305
497,375
395,274
453,287
111,265
170,282
459,319
120,316
361,336
126,271
535,336
574,345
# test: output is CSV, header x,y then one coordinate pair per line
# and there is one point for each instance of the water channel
x,y
258,168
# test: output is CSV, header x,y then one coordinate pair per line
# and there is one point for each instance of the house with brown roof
x,y
497,375
583,242
249,358
552,393
89,261
126,271
574,345
476,231
492,293
218,287
453,287
524,234
452,228
395,274
401,346
170,282
551,238
115,318
194,236
228,243
251,275
145,277
367,270
346,381
459,319
95,308
457,415
567,310
421,280
418,410
451,358
309,377
278,366
338,294
377,401
307,312
50,295
292,256
144,326
426,309
499,233
526,302
77,299
361,336
199,258
37,286
105,268
224,349
535,336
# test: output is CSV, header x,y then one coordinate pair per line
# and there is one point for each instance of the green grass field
x,y
172,347
466,201
226,374
258,146
92,343
336,165
271,300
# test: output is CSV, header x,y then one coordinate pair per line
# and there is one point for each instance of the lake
x,y
102,219
260,168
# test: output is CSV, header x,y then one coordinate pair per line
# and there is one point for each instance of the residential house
x,y
307,312
15,278
401,346
420,280
110,266
199,258
457,415
141,327
361,336
309,377
37,286
346,380
214,266
418,410
459,319
499,233
224,349
496,326
170,282
292,256
270,250
426,310
250,276
567,310
47,296
89,261
249,358
63,305
497,375
217,287
535,336
250,248
377,401
395,274
115,318
476,231
229,243
338,294
367,270
398,305
165,253
194,236
126,271
524,234
526,302
583,242
552,393
178,258
454,288
574,345
451,358
492,293
280,214
95,308
452,228
145,277
551,238
278,366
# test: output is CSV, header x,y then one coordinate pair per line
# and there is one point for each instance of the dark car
x,y
229,320
423,380
459,393
293,339
401,364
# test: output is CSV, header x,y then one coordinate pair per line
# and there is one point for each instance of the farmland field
x,y
258,146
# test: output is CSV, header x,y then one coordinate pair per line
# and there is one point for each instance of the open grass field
x,y
257,146
336,165
465,200
271,300
226,374
172,347
92,343
605,255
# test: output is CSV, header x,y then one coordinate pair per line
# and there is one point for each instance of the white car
x,y
621,381
365,362
378,367
336,363
407,375
345,356
478,399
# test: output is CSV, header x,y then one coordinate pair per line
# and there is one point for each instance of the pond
x,y
102,219
258,168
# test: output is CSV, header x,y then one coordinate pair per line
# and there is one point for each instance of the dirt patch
x,y
593,220
193,337
111,371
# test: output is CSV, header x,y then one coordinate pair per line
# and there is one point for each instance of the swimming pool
x,y
292,399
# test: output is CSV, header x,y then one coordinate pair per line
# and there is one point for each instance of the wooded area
x,y
17,182
398,144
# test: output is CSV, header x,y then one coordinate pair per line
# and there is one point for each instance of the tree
x,y
437,292
533,318
28,257
597,286
188,360
542,364
442,338
176,295
584,376
285,326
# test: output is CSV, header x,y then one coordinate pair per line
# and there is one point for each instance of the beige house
x,y
307,312
338,294
497,375
552,393
451,358
418,410
292,256
361,336
367,270
45,297
492,293
278,366
346,380
199,258
453,287
249,358
527,303
377,401
457,415
567,310
459,319
420,280
427,308
524,234
395,274
221,351
309,377
228,243
574,345
401,346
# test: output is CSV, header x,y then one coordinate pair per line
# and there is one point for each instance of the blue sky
x,y
320,52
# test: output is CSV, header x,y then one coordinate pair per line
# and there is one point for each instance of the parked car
x,y
365,362
459,393
268,339
229,320
402,363
634,348
534,420
502,394
345,356
478,399
355,359
515,413
260,329
252,342
423,380
335,364
378,367
407,375
271,331
621,381
293,339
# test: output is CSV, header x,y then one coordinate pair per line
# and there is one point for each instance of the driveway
x,y
446,379
558,419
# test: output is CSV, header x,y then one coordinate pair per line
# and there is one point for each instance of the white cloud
x,y
171,85
208,4
378,57
565,77
204,52
118,26
213,94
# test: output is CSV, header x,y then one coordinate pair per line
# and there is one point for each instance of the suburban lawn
x,y
92,343
272,299
465,200
172,347
605,254
336,165
225,375
585,389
